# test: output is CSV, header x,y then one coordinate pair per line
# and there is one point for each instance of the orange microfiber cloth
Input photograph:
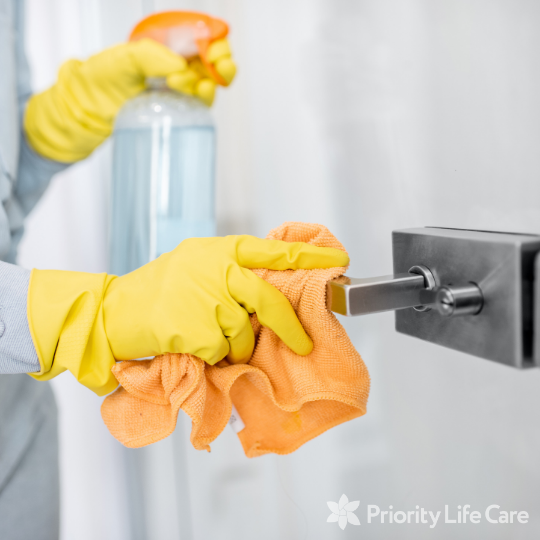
x,y
283,399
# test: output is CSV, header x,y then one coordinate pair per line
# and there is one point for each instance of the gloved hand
x,y
194,299
70,119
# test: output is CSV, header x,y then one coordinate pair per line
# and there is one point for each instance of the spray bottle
x,y
163,180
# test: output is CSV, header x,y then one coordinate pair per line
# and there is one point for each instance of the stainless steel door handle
x,y
416,289
354,296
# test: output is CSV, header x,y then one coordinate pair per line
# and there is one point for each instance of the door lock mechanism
x,y
471,291
454,301
417,289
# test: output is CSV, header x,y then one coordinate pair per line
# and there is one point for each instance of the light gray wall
x,y
367,116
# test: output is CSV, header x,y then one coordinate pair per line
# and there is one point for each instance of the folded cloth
x,y
283,399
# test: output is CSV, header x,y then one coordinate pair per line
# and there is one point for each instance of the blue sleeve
x,y
17,352
34,171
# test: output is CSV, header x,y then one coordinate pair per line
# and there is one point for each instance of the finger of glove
x,y
253,252
239,333
205,90
219,54
218,49
184,81
197,65
153,59
226,68
232,336
273,310
194,81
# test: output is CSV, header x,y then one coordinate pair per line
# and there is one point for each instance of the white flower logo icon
x,y
343,512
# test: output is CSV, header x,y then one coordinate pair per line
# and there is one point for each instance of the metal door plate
x,y
501,264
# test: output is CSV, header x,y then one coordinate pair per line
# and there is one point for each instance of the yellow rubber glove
x,y
197,81
70,119
194,299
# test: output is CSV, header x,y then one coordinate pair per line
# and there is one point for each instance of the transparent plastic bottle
x,y
163,176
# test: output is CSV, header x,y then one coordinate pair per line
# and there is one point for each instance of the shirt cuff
x,y
17,351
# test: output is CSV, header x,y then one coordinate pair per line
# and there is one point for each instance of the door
x,y
372,116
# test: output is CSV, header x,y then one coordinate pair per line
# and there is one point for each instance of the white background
x,y
367,116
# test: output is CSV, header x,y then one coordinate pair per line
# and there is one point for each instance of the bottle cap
x,y
187,33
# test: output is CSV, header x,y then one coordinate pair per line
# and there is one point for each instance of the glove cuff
x,y
65,316
59,123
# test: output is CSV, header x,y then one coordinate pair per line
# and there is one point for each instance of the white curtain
x,y
367,116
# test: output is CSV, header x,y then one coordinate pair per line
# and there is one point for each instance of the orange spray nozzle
x,y
188,33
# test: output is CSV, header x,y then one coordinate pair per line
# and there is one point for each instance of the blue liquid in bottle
x,y
163,185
